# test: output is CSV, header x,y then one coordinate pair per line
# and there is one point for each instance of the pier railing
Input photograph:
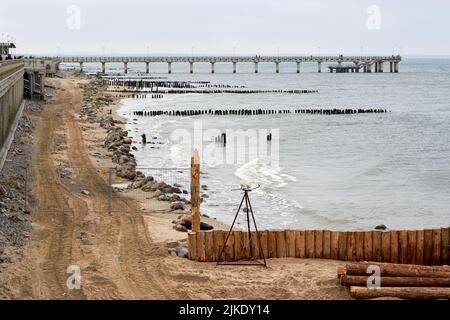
x,y
422,247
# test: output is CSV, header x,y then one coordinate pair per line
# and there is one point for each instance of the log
x,y
326,244
397,281
386,246
238,248
436,255
218,243
334,245
351,246
265,252
245,251
413,293
412,244
342,255
445,245
300,245
229,249
419,247
394,246
195,191
368,245
209,247
399,270
318,244
359,246
281,244
192,246
255,245
272,244
290,243
427,247
201,254
376,236
403,246
309,243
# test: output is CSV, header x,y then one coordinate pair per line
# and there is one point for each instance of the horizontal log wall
x,y
423,247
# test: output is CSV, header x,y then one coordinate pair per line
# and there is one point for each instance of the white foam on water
x,y
258,171
270,179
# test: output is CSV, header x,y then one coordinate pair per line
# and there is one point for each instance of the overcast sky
x,y
227,26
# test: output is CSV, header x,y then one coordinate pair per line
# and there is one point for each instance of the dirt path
x,y
117,257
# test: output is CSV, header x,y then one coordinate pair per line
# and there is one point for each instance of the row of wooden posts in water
x,y
140,84
252,112
422,247
208,91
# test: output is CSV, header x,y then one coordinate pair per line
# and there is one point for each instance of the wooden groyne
x,y
253,112
421,247
211,91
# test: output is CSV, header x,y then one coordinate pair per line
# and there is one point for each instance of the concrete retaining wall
x,y
11,96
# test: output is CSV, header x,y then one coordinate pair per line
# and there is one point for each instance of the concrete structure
x,y
34,80
11,98
363,61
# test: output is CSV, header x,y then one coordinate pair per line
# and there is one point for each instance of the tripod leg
x,y
261,251
247,201
229,232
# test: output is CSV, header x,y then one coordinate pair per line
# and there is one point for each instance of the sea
x,y
338,172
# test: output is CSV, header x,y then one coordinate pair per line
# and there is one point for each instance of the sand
x,y
125,255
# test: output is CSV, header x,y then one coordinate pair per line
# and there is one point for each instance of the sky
x,y
227,26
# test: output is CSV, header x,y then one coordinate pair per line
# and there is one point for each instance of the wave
x,y
260,172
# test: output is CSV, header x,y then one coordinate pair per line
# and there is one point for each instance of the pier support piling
x,y
298,67
396,67
103,67
277,67
391,66
81,66
380,68
234,67
191,67
147,67
256,67
212,67
125,67
169,67
319,66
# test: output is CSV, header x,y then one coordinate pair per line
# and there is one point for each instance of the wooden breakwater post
x,y
195,191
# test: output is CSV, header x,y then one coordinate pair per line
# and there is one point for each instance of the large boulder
x,y
123,159
148,187
177,205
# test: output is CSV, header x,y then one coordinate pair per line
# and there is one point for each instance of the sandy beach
x,y
125,255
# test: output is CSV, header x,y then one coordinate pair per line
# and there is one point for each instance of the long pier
x,y
359,63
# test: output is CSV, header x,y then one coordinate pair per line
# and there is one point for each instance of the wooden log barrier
x,y
398,270
421,247
414,293
348,280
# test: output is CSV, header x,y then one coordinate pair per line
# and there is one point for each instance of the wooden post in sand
x,y
195,191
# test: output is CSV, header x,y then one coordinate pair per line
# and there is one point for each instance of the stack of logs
x,y
405,281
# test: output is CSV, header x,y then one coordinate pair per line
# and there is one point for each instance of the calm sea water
x,y
337,172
